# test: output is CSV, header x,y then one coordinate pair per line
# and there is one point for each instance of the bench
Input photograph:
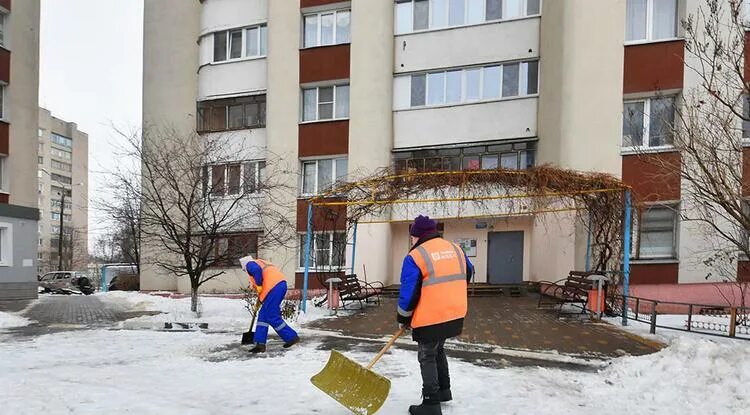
x,y
352,289
573,289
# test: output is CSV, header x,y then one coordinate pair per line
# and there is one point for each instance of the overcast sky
x,y
90,74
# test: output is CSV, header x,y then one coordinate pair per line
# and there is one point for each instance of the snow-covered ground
x,y
152,372
9,320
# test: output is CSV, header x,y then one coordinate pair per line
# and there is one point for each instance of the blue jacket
x,y
411,283
256,272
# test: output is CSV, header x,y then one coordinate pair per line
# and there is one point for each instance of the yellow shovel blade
x,y
352,385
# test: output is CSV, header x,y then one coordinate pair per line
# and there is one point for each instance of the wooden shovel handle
x,y
386,347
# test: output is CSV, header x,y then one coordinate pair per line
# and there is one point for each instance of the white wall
x,y
495,120
494,42
231,78
227,14
553,242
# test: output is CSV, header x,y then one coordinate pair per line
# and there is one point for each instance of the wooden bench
x,y
573,289
352,289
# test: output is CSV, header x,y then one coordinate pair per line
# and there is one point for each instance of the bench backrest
x,y
349,284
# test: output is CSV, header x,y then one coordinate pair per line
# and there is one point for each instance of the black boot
x,y
291,343
444,395
428,407
259,348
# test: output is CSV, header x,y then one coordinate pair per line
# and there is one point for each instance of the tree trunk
x,y
193,299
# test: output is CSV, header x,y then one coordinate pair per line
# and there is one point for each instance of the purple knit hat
x,y
422,226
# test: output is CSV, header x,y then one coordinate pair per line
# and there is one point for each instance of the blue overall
x,y
270,311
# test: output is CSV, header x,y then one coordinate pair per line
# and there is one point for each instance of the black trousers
x,y
434,367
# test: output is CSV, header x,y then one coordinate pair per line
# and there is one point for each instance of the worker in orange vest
x,y
433,302
270,284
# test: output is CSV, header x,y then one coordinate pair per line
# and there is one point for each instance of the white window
x,y
6,245
473,84
327,249
327,28
318,176
648,20
657,236
58,165
3,18
746,115
240,43
325,103
61,140
233,178
415,15
63,154
2,102
648,122
3,162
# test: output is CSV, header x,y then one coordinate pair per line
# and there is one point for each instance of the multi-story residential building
x,y
19,104
63,174
337,87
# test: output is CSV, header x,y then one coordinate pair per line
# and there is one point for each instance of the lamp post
x,y
62,216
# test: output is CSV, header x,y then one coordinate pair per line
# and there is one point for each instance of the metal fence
x,y
713,320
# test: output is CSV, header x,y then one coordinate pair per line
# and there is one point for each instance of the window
x,y
6,245
327,28
39,160
325,103
230,248
3,162
319,176
3,18
63,154
650,20
55,229
232,114
326,250
233,178
61,179
648,123
415,15
658,230
61,140
55,204
473,84
56,216
2,102
240,43
746,114
58,191
58,165
41,134
507,156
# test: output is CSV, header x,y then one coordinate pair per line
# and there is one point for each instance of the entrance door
x,y
505,258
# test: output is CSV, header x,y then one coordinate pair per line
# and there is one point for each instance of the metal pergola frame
x,y
322,200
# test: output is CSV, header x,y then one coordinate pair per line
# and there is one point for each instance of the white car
x,y
66,282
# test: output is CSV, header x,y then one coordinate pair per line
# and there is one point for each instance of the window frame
x,y
313,250
638,231
3,102
61,140
319,28
316,186
3,174
262,48
646,133
467,8
207,173
6,244
204,110
334,103
403,161
522,87
649,36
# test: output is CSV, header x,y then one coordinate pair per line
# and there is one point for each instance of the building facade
x,y
63,174
340,89
19,105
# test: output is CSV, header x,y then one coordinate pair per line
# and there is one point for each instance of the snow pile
x,y
150,372
9,320
220,313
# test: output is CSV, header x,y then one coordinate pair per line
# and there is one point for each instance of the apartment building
x,y
19,90
340,89
62,194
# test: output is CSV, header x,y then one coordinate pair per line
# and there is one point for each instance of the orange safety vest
x,y
443,297
271,277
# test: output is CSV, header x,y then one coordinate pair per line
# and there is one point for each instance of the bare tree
x,y
123,242
197,196
708,130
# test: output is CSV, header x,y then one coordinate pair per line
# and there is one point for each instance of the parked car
x,y
124,282
66,282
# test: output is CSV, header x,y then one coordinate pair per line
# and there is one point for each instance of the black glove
x,y
406,321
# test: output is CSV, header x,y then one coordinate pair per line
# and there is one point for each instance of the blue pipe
x,y
308,242
354,245
626,260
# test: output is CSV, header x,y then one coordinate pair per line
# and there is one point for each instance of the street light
x,y
62,215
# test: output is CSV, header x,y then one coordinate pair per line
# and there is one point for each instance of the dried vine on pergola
x,y
597,198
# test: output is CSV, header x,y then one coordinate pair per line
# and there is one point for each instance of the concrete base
x,y
18,290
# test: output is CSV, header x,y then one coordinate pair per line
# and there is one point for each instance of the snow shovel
x,y
247,337
358,388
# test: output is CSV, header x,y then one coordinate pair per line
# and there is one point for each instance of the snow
x,y
220,313
10,320
154,372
